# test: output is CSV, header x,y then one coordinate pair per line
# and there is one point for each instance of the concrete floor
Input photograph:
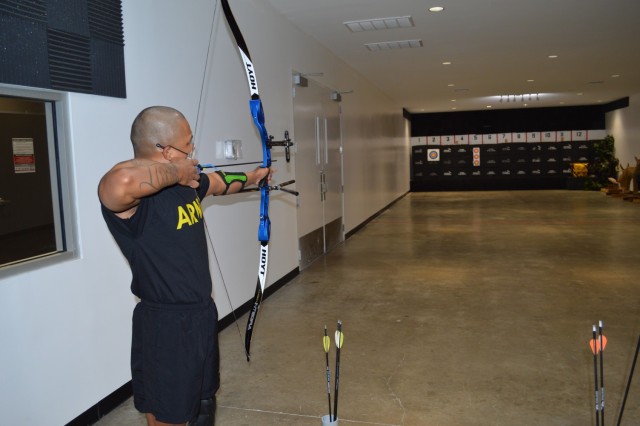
x,y
465,308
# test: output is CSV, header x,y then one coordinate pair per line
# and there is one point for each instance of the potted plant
x,y
604,164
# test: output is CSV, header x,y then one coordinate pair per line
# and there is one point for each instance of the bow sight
x,y
286,143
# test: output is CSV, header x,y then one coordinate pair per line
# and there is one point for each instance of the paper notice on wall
x,y
24,159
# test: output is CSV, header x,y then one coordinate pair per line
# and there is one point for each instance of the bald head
x,y
155,125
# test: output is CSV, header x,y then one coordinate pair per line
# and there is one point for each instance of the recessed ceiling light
x,y
553,56
446,63
436,9
580,94
451,85
488,106
453,100
379,24
454,108
530,81
615,75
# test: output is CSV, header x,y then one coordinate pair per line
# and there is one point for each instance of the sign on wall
x,y
24,158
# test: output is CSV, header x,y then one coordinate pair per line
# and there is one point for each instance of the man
x,y
151,205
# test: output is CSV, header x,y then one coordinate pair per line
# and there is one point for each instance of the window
x,y
35,203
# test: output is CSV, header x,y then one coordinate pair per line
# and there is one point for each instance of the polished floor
x,y
460,308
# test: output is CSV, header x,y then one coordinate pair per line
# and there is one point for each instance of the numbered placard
x,y
579,135
418,140
447,140
533,137
505,138
462,139
490,138
519,137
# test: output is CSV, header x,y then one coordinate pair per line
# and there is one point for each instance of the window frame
x,y
60,177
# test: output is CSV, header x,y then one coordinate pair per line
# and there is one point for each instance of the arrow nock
x,y
339,336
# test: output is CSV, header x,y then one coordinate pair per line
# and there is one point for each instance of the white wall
x,y
624,125
376,148
65,328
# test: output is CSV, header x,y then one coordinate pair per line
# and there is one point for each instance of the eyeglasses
x,y
189,155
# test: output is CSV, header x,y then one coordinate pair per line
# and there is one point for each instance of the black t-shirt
x,y
166,246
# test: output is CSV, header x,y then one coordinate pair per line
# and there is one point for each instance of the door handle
x,y
317,141
326,142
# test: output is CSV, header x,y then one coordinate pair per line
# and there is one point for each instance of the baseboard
x,y
378,213
104,406
124,392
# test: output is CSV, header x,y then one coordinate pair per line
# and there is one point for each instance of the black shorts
x,y
174,359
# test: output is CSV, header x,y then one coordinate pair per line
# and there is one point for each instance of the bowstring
x,y
206,66
195,129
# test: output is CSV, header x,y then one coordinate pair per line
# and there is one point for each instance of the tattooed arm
x,y
121,189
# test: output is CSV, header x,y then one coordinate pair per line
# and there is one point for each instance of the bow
x,y
257,112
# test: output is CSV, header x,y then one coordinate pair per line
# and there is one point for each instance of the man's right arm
x,y
122,187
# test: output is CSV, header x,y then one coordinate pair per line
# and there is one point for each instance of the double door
x,y
318,171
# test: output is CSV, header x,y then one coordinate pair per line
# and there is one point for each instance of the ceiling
x,y
494,48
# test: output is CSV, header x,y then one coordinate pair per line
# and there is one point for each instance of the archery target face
x,y
433,154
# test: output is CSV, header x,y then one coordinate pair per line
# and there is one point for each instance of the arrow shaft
x,y
339,338
215,166
326,342
595,375
601,343
328,384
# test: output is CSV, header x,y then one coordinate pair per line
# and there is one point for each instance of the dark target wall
x,y
530,148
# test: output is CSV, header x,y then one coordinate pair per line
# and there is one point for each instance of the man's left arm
x,y
225,183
